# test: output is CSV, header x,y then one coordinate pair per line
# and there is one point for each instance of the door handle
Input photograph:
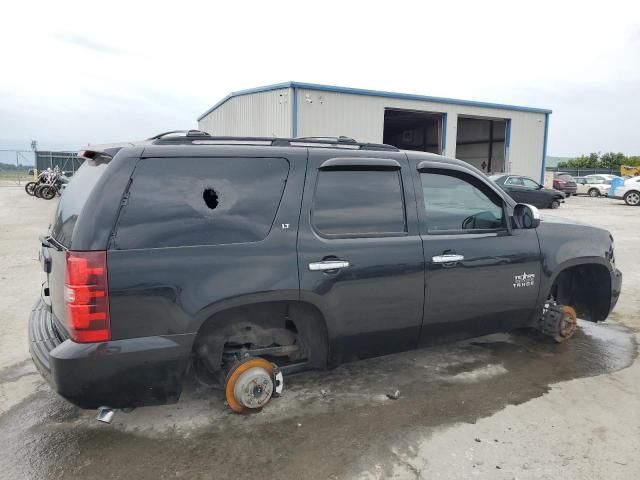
x,y
328,265
448,258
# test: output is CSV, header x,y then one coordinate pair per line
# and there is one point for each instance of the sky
x,y
74,73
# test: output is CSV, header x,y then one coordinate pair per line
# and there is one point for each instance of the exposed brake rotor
x,y
559,322
251,383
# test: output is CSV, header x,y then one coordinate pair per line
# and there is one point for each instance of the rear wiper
x,y
50,242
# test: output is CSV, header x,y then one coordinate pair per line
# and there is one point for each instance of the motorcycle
x,y
31,187
50,183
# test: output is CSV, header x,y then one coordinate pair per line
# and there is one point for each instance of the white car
x,y
602,176
632,181
594,187
629,192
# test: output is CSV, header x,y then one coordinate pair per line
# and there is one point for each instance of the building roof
x,y
372,93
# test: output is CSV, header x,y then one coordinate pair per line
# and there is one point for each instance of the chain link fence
x,y
16,167
581,172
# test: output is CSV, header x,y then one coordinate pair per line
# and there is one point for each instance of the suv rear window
x,y
201,201
565,177
75,196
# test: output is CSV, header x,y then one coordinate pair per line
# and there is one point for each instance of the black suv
x,y
248,258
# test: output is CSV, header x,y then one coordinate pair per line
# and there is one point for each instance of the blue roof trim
x,y
544,147
374,93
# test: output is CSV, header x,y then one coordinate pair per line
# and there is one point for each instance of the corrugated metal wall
x,y
362,117
263,114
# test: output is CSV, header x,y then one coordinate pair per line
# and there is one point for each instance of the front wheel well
x,y
586,288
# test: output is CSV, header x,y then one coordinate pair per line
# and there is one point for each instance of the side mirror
x,y
526,216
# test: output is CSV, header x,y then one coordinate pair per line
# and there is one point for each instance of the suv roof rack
x,y
187,133
340,139
344,142
198,137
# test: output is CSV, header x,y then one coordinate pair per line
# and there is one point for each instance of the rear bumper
x,y
118,374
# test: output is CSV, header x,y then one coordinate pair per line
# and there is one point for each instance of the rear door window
x,y
527,182
201,201
359,203
514,181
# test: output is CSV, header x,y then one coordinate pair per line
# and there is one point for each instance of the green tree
x,y
612,160
584,161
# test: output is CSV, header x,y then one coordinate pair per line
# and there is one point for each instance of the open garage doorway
x,y
413,130
481,142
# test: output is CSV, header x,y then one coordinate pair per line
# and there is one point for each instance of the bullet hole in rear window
x,y
210,198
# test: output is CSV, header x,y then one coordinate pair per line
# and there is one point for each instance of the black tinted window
x,y
358,202
201,201
74,198
459,202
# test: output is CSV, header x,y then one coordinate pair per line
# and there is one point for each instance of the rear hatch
x,y
567,182
59,239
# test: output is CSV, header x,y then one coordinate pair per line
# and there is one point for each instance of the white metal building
x,y
493,137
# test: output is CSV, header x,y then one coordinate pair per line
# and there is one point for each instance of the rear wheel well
x,y
263,325
586,288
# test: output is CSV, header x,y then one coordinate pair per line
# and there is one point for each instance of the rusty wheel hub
x,y
568,324
249,385
559,322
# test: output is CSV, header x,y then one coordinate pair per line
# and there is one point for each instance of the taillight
x,y
86,296
560,182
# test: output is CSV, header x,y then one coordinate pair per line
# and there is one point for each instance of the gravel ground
x,y
499,407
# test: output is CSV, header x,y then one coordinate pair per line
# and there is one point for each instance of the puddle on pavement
x,y
322,423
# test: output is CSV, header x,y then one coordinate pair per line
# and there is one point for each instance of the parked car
x,y
603,177
629,192
527,190
632,181
564,183
592,186
245,259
